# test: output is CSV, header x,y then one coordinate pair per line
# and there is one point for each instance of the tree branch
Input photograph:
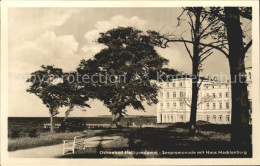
x,y
205,57
191,42
202,79
203,31
187,49
247,47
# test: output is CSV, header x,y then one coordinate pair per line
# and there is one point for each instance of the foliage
x,y
33,133
43,87
131,62
15,134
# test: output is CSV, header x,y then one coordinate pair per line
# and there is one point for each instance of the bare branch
x,y
185,100
204,30
202,79
191,42
191,22
209,33
247,46
187,49
205,52
179,18
203,18
205,57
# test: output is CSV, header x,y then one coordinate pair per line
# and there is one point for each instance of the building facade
x,y
214,100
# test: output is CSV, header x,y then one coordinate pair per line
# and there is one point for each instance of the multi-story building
x,y
214,100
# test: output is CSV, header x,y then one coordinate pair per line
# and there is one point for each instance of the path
x,y
56,150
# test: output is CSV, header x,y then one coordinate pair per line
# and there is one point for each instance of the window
x,y
248,93
220,94
181,94
227,118
207,94
249,75
214,95
161,94
168,105
227,105
213,87
220,118
161,105
171,118
181,105
207,105
180,84
181,118
220,105
168,95
174,105
174,95
214,105
208,118
173,84
226,94
214,118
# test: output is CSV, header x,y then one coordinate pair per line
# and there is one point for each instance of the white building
x,y
214,100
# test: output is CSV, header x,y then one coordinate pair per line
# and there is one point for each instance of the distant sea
x,y
27,124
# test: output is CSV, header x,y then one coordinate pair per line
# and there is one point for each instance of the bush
x,y
71,125
15,134
33,133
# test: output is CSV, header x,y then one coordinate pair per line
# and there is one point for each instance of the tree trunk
x,y
116,117
240,132
195,72
51,122
68,112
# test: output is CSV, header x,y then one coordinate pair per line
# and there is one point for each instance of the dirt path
x,y
56,150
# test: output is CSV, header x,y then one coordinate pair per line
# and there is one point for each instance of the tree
x,y
125,69
234,47
200,31
73,93
240,133
229,38
43,87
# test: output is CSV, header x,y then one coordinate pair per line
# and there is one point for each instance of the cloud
x,y
177,59
91,47
48,49
28,23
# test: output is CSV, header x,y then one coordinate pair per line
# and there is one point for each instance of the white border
x,y
70,4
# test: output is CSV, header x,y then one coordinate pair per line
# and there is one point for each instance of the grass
x,y
162,138
44,139
159,138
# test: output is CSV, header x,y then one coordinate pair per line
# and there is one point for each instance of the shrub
x,y
33,133
15,134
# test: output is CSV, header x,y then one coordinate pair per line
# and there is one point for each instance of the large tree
x,y
57,89
240,132
200,30
42,85
235,44
125,68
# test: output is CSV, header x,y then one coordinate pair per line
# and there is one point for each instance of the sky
x,y
64,36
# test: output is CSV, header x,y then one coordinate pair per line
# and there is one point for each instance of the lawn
x,y
164,141
44,139
159,141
